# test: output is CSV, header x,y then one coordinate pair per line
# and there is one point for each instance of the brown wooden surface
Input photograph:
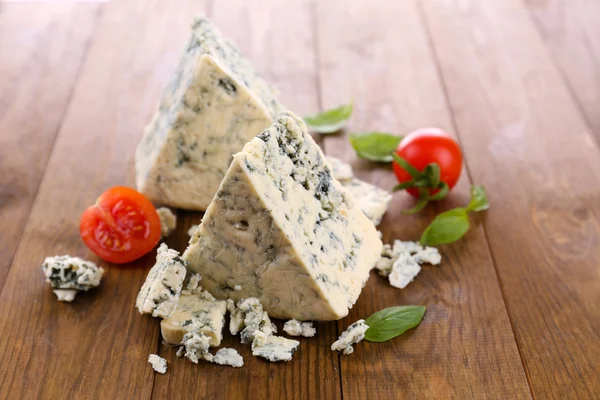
x,y
514,309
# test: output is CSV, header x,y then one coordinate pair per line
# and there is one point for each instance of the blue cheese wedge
x,y
198,312
273,348
161,290
168,221
214,103
249,317
231,357
68,275
284,230
354,334
159,364
194,347
294,327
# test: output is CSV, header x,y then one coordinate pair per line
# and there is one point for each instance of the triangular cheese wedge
x,y
214,104
283,230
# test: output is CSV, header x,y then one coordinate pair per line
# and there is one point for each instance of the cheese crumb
x,y
168,221
404,270
354,334
228,356
159,364
192,230
296,328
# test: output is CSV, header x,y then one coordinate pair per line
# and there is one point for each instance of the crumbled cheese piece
x,y
296,328
429,255
230,357
371,200
198,312
160,292
192,230
237,288
236,317
406,247
339,169
384,265
255,319
404,270
168,221
67,295
354,334
273,348
194,346
193,284
159,364
68,275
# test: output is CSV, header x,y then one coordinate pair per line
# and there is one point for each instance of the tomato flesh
x,y
426,146
121,227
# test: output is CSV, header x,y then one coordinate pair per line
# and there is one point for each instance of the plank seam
x,y
440,75
318,89
560,72
82,62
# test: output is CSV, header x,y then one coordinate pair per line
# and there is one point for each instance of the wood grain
x,y
571,31
41,48
527,142
96,347
283,50
465,347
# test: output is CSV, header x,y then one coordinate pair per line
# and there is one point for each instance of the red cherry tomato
x,y
426,146
121,227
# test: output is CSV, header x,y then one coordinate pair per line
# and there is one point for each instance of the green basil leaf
x,y
375,146
479,200
412,171
330,121
390,322
446,228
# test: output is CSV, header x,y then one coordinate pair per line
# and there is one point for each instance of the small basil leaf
x,y
412,171
444,190
330,121
479,201
375,146
390,322
446,228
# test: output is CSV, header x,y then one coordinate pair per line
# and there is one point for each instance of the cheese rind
x,y
214,103
161,290
195,313
284,229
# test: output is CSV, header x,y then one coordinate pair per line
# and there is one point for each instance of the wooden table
x,y
514,309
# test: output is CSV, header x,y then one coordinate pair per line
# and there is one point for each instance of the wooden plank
x,y
283,50
526,140
571,31
41,48
96,347
377,52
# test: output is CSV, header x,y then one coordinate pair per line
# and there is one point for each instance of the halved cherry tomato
x,y
426,146
121,227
